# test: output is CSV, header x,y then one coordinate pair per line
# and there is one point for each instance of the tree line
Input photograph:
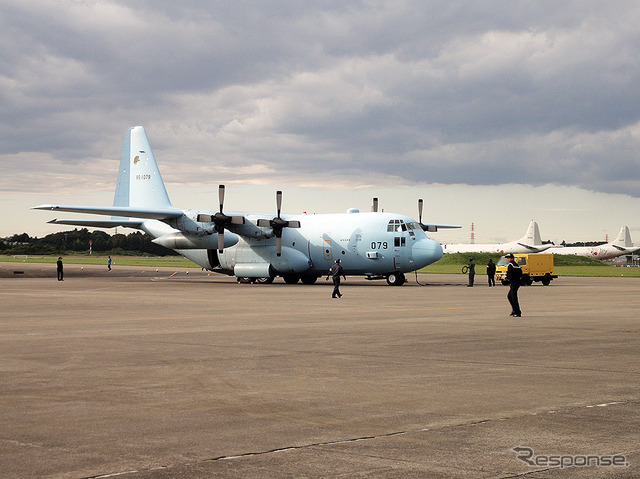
x,y
80,241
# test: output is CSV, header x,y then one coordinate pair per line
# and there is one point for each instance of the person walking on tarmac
x,y
514,276
335,272
60,270
472,271
491,273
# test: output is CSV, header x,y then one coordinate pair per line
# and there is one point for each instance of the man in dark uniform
x,y
335,272
60,272
514,275
491,273
472,271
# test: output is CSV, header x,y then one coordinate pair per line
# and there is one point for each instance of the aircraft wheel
x,y
395,279
291,278
308,279
268,280
243,280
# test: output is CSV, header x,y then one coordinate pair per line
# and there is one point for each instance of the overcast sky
x,y
495,112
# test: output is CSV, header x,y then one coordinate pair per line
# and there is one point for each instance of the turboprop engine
x,y
180,240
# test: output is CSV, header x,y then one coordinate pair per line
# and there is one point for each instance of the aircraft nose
x,y
425,252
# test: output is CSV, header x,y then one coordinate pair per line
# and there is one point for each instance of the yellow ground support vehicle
x,y
535,267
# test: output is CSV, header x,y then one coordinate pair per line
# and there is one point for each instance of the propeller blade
x,y
279,201
262,223
278,246
221,241
293,224
221,196
237,220
374,207
420,205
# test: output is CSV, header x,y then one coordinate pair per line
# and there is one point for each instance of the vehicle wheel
x,y
308,279
504,282
546,281
291,278
268,280
395,279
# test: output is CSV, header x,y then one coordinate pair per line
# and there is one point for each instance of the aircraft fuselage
x,y
371,244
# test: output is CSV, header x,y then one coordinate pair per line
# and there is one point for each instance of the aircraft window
x,y
521,260
399,241
396,226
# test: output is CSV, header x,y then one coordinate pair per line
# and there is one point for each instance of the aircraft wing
x,y
99,223
536,248
433,227
122,211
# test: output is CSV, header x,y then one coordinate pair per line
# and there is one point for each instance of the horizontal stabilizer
x,y
121,211
99,223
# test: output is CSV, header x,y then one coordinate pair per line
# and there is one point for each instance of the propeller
x,y
430,228
220,220
374,207
278,224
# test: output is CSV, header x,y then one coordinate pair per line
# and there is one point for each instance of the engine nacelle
x,y
187,241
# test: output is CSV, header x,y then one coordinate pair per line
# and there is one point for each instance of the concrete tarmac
x,y
161,374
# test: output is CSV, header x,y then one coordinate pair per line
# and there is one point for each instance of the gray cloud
x,y
356,93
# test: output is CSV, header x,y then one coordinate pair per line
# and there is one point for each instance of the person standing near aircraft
x,y
514,275
472,271
491,272
60,271
335,272
109,263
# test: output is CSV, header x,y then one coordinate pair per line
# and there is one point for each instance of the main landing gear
x,y
396,279
393,279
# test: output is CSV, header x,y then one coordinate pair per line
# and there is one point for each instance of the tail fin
x,y
623,239
139,182
532,236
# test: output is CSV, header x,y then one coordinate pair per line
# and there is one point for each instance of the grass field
x,y
449,264
148,261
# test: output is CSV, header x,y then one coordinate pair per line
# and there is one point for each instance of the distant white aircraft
x,y
257,246
529,243
620,246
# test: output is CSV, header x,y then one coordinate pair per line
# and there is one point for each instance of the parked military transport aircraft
x,y
529,243
256,246
620,246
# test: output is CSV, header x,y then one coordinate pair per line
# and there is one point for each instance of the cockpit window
x,y
395,226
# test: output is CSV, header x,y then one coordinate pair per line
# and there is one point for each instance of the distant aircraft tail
x,y
624,239
532,236
139,183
